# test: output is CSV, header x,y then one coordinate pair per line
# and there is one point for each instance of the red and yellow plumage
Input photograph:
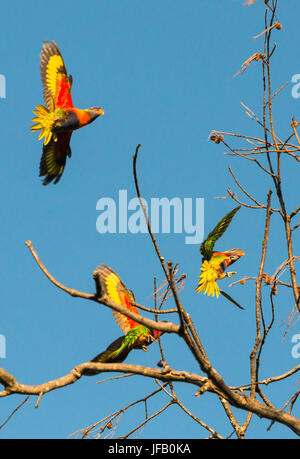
x,y
59,118
214,269
215,263
137,336
115,289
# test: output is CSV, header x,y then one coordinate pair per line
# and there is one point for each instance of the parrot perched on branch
x,y
215,263
137,336
59,118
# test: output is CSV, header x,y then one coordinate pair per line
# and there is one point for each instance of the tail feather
x,y
228,297
44,122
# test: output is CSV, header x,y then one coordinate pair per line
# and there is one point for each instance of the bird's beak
x,y
100,112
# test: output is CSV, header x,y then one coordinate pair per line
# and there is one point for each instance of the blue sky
x,y
163,73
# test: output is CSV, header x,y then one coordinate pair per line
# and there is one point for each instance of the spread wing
x,y
56,82
54,157
207,246
116,290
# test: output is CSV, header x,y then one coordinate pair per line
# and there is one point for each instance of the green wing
x,y
137,338
111,354
114,353
207,246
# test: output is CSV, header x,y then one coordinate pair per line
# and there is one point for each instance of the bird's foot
x,y
231,273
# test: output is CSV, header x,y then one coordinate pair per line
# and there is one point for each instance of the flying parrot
x,y
137,336
59,118
215,263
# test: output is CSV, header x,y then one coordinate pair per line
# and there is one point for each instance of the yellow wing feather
x,y
112,281
53,70
54,64
116,290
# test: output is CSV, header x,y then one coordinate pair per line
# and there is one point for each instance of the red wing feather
x,y
56,82
115,289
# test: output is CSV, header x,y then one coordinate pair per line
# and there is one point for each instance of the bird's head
x,y
94,112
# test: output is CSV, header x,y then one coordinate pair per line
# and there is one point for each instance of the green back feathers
x,y
207,246
134,335
136,338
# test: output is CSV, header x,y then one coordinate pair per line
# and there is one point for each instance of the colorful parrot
x,y
59,118
137,336
214,263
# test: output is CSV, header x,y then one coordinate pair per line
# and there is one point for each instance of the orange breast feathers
x,y
82,115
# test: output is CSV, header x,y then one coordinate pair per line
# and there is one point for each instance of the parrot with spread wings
x,y
137,336
59,118
215,263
